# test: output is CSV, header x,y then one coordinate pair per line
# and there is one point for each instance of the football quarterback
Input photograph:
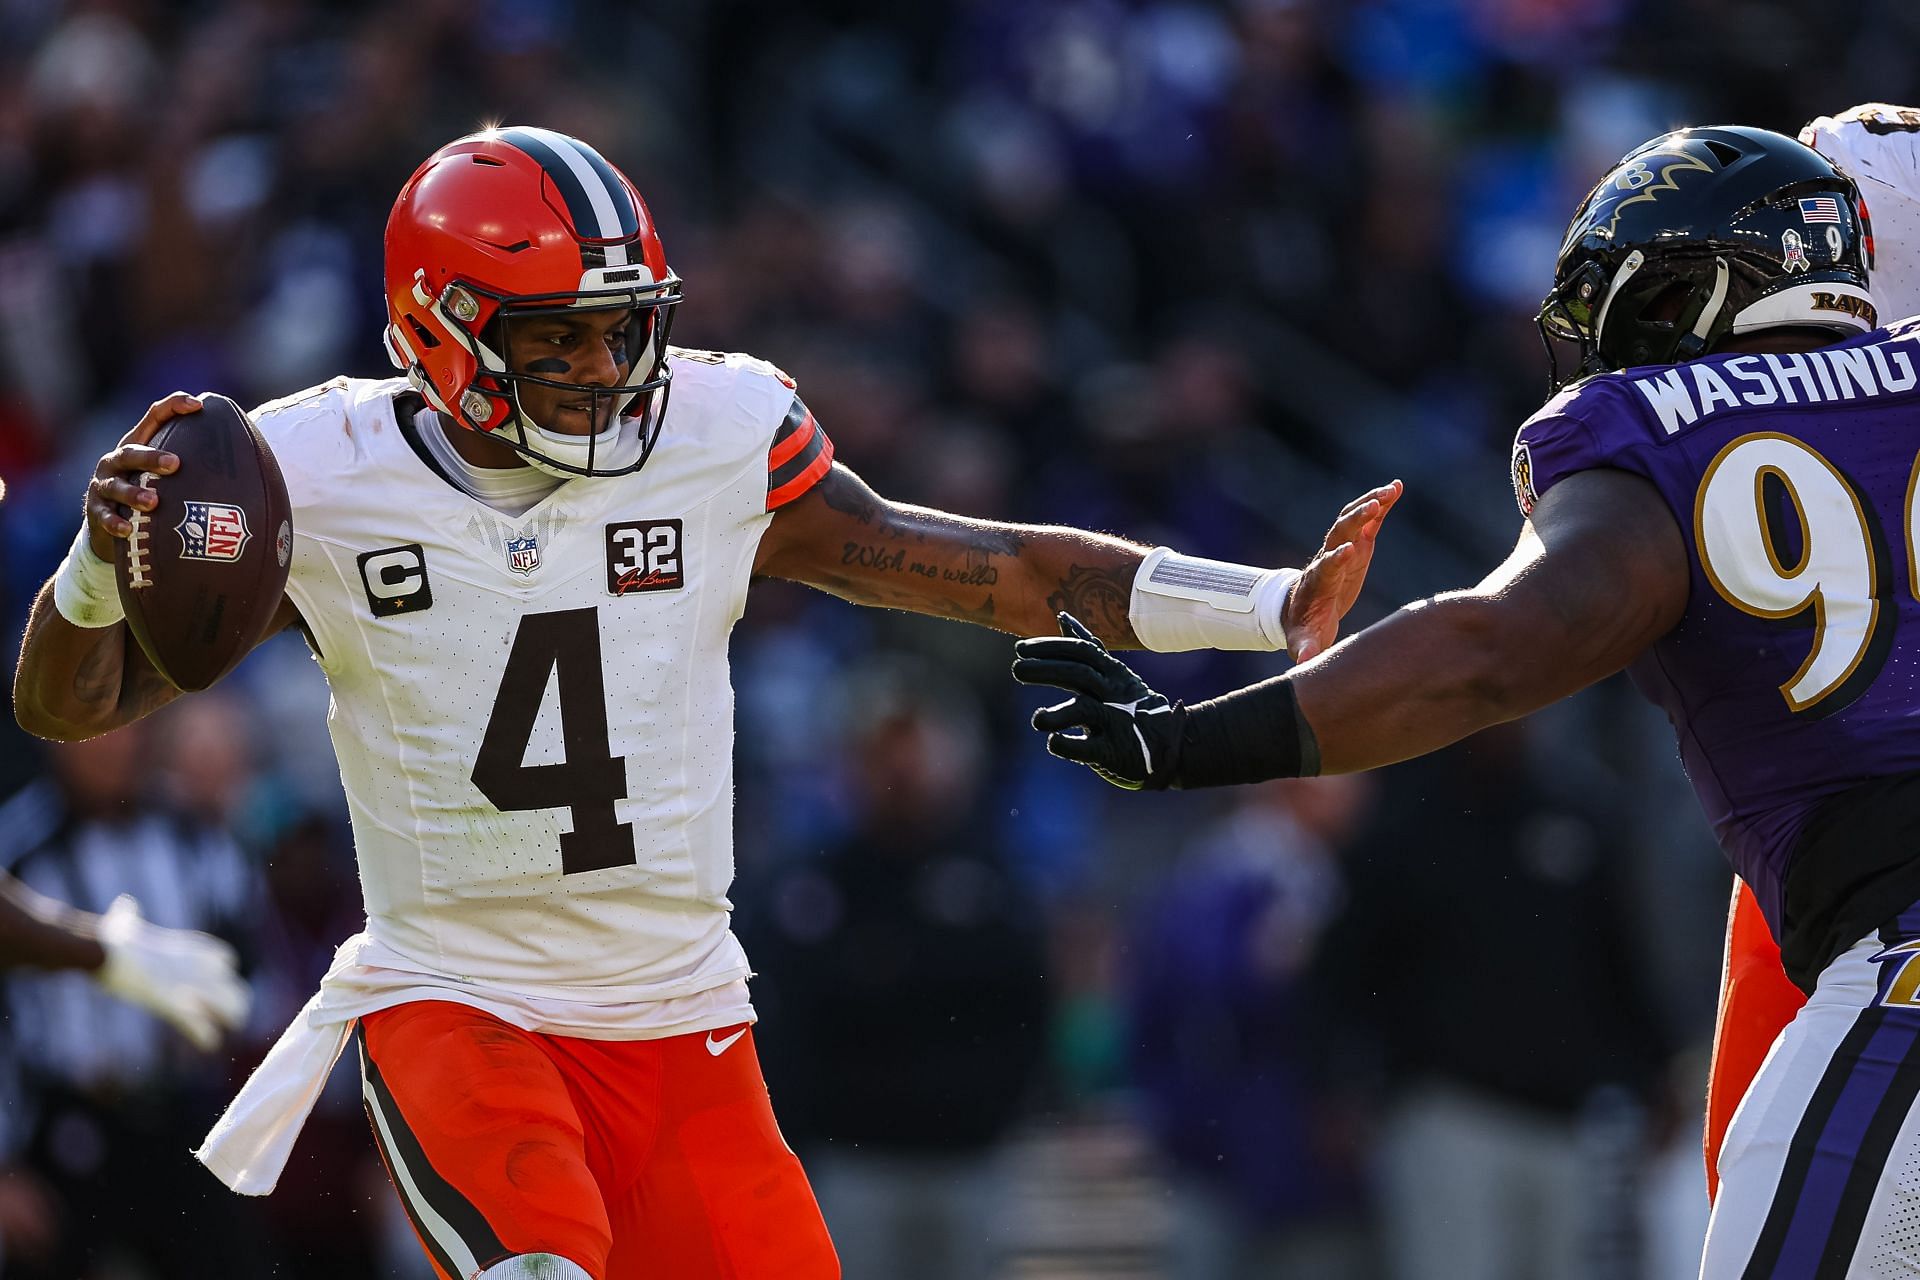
x,y
519,563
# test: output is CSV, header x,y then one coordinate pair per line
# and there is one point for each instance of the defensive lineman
x,y
1725,502
1878,146
518,567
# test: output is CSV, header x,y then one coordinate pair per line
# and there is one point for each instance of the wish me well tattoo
x,y
945,559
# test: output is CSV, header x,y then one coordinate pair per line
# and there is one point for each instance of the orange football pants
x,y
631,1158
1757,1001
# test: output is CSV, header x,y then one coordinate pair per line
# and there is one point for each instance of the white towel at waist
x,y
250,1143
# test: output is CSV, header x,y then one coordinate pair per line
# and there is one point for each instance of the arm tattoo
x,y
866,506
1000,542
854,500
860,547
1099,596
975,567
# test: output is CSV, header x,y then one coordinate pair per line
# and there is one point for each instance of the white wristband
x,y
84,590
1184,602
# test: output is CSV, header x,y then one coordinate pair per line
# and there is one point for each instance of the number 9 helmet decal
x,y
516,223
1705,233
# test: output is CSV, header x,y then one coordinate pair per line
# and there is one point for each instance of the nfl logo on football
x,y
523,554
212,531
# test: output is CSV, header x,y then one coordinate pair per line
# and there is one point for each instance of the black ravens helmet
x,y
1702,233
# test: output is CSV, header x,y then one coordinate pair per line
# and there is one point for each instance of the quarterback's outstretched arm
x,y
78,681
1599,573
844,538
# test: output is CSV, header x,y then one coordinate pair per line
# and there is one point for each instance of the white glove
x,y
187,978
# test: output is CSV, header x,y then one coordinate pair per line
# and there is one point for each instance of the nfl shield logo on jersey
x,y
523,554
212,531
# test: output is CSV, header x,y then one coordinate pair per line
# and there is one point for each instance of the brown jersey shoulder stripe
x,y
792,435
800,455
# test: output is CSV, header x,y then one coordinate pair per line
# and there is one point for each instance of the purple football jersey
x,y
1795,673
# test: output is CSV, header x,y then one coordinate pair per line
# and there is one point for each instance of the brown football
x,y
203,573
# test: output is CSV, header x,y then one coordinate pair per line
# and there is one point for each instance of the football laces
x,y
137,542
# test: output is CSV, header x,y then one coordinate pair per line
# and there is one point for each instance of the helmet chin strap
x,y
1633,263
616,447
1696,340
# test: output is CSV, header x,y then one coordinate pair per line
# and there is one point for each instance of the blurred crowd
x,y
1190,272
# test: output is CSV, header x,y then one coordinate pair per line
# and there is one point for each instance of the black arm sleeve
x,y
1250,735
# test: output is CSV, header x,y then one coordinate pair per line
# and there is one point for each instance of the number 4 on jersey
x,y
566,646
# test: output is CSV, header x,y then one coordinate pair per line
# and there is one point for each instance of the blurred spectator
x,y
206,743
1486,959
113,1101
903,1000
1266,1178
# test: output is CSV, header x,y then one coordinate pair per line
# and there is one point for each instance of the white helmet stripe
x,y
595,186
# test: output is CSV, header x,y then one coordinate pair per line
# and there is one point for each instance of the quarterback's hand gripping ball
x,y
200,551
1114,724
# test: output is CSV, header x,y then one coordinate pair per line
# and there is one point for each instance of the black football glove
x,y
1114,724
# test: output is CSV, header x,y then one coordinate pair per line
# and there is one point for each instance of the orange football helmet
x,y
519,222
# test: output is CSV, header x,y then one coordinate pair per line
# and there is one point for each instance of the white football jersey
x,y
1878,146
533,716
